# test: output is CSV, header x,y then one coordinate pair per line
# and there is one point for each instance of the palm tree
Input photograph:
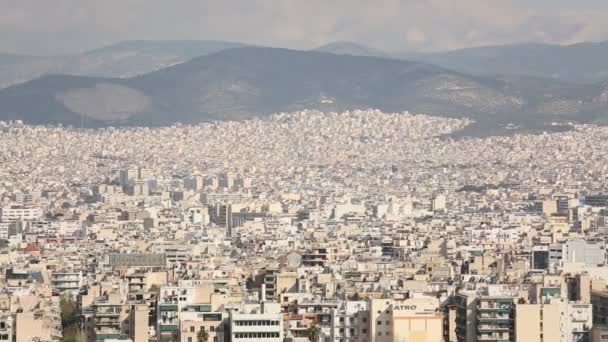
x,y
203,335
313,333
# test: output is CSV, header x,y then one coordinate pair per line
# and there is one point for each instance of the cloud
x,y
41,26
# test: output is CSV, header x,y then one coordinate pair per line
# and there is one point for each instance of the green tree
x,y
203,335
69,319
313,333
69,315
69,339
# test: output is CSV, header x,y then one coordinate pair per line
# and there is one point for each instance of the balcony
x,y
108,336
168,328
491,328
489,317
107,313
493,337
168,307
136,281
495,308
107,322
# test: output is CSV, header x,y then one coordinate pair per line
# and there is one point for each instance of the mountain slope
x,y
584,62
36,102
131,58
125,59
350,48
243,82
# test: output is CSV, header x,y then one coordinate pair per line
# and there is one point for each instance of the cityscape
x,y
303,171
352,226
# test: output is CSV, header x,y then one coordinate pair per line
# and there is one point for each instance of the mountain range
x,y
234,81
582,63
125,59
353,49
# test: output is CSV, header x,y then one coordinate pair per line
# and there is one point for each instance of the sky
x,y
45,27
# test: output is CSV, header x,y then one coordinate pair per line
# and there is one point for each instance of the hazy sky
x,y
60,26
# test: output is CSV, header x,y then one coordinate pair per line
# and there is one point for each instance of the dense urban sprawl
x,y
359,226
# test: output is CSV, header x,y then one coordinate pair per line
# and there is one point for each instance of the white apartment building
x,y
4,230
350,322
14,213
67,281
256,322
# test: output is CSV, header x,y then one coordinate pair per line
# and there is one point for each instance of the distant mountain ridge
x,y
351,48
243,82
124,59
582,62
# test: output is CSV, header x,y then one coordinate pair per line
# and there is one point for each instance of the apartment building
x,y
113,318
15,213
70,282
256,322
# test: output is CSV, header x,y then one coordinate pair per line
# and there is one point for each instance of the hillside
x,y
350,48
125,59
583,62
242,82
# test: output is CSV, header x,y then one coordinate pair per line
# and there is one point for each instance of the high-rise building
x,y
144,174
194,183
484,318
597,200
221,215
439,203
227,180
126,177
599,300
539,259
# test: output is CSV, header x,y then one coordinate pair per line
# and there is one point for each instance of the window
x,y
191,329
189,338
379,322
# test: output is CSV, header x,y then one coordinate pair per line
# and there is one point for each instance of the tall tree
x,y
203,335
314,332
